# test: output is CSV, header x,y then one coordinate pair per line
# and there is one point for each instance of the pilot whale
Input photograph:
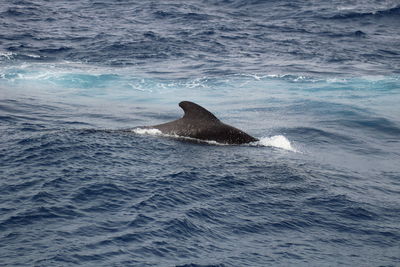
x,y
199,123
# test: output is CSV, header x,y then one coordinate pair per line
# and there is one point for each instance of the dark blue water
x,y
318,82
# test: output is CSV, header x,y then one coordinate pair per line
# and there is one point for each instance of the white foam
x,y
278,141
7,55
33,56
336,80
150,131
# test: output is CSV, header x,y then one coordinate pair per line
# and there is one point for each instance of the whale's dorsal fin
x,y
196,112
201,124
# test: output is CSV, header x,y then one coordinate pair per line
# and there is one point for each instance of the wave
x,y
21,58
376,126
35,215
389,12
80,75
201,265
207,37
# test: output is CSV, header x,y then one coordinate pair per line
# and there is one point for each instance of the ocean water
x,y
317,82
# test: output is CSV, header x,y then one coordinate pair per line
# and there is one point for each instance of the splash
x,y
278,141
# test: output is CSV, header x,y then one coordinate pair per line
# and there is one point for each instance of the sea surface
x,y
318,82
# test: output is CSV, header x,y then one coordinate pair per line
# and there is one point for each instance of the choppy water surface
x,y
317,83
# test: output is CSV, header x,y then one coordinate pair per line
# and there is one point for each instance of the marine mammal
x,y
199,123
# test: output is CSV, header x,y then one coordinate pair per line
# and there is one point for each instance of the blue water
x,y
318,82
